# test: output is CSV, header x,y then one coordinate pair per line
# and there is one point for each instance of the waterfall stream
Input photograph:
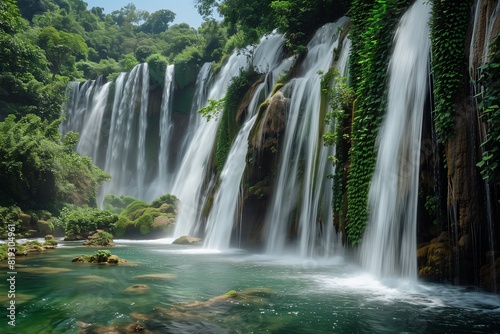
x,y
191,183
125,156
164,173
389,244
301,177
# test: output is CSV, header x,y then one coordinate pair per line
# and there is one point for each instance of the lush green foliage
x,y
248,20
138,218
229,126
448,32
340,97
372,33
102,255
116,204
212,109
81,221
39,171
489,105
24,73
9,215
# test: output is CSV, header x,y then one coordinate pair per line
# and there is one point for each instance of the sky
x,y
184,10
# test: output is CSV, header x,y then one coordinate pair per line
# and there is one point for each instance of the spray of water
x,y
389,243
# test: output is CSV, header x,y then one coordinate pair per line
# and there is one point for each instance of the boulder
x,y
162,221
188,240
99,238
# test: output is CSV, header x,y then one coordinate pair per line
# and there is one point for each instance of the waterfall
x,y
191,185
223,214
163,183
89,143
301,180
389,244
79,101
126,150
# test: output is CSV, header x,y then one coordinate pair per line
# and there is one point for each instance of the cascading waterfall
x,y
301,177
89,141
166,125
79,101
126,151
190,186
389,244
223,214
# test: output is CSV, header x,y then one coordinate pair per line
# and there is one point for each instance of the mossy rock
x,y
434,261
44,227
50,241
232,294
99,239
25,220
100,257
188,240
33,246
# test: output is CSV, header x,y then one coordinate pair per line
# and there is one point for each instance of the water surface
x,y
274,295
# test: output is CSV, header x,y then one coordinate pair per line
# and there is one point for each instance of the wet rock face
x,y
490,273
482,29
262,161
434,259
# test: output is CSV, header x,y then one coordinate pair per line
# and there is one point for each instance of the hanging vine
x,y
372,37
489,105
448,30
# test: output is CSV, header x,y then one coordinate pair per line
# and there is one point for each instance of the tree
x,y
158,21
128,15
178,37
59,46
24,69
39,171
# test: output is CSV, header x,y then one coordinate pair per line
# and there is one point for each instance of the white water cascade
x,y
89,141
192,185
224,212
164,180
84,99
301,185
126,151
389,244
223,215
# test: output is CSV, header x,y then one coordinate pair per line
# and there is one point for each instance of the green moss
x,y
139,217
449,25
490,107
373,27
116,204
232,294
229,126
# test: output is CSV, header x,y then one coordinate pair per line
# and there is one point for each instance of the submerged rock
x,y
134,327
188,240
137,288
100,257
156,276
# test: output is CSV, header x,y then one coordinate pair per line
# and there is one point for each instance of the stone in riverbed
x,y
137,288
188,240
